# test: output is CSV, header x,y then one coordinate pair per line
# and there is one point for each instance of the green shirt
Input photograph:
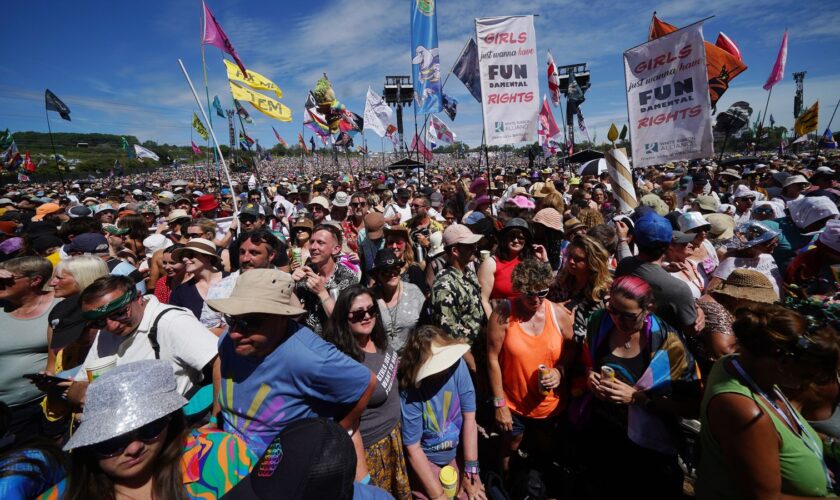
x,y
802,471
456,304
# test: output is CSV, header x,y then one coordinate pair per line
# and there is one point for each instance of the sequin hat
x,y
126,398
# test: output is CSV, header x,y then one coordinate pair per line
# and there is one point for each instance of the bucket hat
x,y
747,284
266,291
197,245
441,358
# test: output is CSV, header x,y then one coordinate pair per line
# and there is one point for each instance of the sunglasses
x,y
539,293
247,219
622,314
121,315
148,433
359,204
418,205
516,237
361,314
390,271
194,235
246,324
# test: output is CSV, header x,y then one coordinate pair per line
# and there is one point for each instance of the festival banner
x,y
507,60
242,112
195,149
621,179
217,105
142,152
253,79
199,127
377,113
425,62
279,139
264,104
808,120
55,104
668,98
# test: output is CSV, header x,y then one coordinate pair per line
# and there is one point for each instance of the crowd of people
x,y
443,333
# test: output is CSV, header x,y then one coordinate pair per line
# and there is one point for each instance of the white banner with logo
x,y
668,98
507,60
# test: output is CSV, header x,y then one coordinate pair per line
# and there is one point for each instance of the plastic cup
x,y
97,368
449,480
835,270
484,255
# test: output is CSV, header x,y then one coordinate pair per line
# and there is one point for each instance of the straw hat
x,y
549,218
442,358
722,226
197,245
747,284
573,224
266,291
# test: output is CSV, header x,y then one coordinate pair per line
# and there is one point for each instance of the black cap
x,y
384,259
66,322
403,193
311,458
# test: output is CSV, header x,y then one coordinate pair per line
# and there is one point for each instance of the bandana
x,y
105,310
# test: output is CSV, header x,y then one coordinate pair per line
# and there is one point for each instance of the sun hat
x,y
5,202
148,208
751,233
310,458
441,357
707,202
155,242
397,229
550,218
521,202
44,210
743,191
126,398
830,236
178,213
266,291
341,199
197,245
652,229
478,184
384,259
806,211
572,224
691,221
320,201
206,203
516,223
655,202
747,284
722,226
93,243
796,179
481,201
729,172
459,234
374,225
104,207
436,244
682,238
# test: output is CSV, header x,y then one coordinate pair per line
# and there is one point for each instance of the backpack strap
x,y
153,330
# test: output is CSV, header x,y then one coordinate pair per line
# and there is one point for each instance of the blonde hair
x,y
597,260
85,269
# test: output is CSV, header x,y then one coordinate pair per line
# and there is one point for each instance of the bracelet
x,y
471,470
499,402
471,463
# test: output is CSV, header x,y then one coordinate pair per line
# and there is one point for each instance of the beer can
x,y
542,371
296,256
607,373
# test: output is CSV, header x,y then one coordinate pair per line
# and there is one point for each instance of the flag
x,y
128,150
351,122
344,140
778,71
575,93
263,103
279,139
553,81
22,177
214,35
721,65
41,163
582,125
391,133
302,144
195,149
377,113
728,45
252,79
782,146
450,106
312,143
218,107
362,150
547,130
808,120
55,104
27,163
772,121
623,133
466,69
418,145
145,153
827,141
612,134
425,62
800,139
242,112
243,137
10,156
438,131
199,128
6,139
313,119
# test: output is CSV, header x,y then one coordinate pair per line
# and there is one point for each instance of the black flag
x,y
312,142
55,104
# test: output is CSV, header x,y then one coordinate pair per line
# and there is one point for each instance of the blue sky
x,y
115,64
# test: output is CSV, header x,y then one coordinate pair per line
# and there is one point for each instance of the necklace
x,y
392,312
627,345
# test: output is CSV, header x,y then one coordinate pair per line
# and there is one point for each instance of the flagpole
x,y
831,120
761,125
206,90
212,133
55,155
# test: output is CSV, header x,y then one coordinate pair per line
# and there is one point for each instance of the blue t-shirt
x,y
305,376
27,473
432,413
369,492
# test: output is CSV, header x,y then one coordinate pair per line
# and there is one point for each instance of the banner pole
x,y
55,155
212,133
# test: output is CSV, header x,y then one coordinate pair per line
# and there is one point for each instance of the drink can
x,y
607,373
296,256
542,371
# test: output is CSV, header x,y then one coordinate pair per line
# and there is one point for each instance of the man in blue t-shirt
x,y
276,371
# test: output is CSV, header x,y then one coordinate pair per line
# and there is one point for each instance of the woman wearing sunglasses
x,y
527,351
356,329
201,261
401,304
398,240
628,347
134,443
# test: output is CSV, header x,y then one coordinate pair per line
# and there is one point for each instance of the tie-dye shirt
x,y
433,413
212,463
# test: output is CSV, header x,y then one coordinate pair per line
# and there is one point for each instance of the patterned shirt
x,y
211,464
456,304
341,278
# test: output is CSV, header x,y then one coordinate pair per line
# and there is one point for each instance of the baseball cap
x,y
44,210
87,243
252,209
458,234
652,230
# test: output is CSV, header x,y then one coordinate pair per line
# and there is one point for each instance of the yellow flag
x,y
807,121
612,135
264,104
199,127
253,80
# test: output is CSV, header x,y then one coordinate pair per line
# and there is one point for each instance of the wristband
x,y
471,469
365,480
499,402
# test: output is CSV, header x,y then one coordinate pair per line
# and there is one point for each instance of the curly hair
x,y
597,260
590,217
531,275
337,330
417,350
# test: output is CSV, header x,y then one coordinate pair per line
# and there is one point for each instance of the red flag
x,y
196,150
27,163
214,35
548,127
279,139
302,144
553,81
417,144
721,66
779,67
728,45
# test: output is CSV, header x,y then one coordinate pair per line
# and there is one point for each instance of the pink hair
x,y
633,288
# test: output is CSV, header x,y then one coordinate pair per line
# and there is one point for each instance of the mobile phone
x,y
40,377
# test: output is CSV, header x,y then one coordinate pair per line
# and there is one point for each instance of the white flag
x,y
441,131
142,152
377,113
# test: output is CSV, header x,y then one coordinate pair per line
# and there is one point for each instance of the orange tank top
x,y
520,358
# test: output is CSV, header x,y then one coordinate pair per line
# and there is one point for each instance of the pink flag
x,y
553,81
195,149
548,126
214,35
779,68
728,45
421,147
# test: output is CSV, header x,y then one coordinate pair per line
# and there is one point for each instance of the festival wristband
x,y
365,480
499,402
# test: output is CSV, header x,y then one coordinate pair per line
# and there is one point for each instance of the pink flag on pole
x,y
553,81
420,146
214,35
196,150
779,68
728,45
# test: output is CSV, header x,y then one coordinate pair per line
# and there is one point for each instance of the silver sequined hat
x,y
126,398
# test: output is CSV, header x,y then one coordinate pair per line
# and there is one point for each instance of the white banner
x,y
507,60
668,98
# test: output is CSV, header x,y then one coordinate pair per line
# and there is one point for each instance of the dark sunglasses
x,y
118,316
194,235
418,205
361,314
359,204
117,445
245,324
539,293
247,219
516,236
622,314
